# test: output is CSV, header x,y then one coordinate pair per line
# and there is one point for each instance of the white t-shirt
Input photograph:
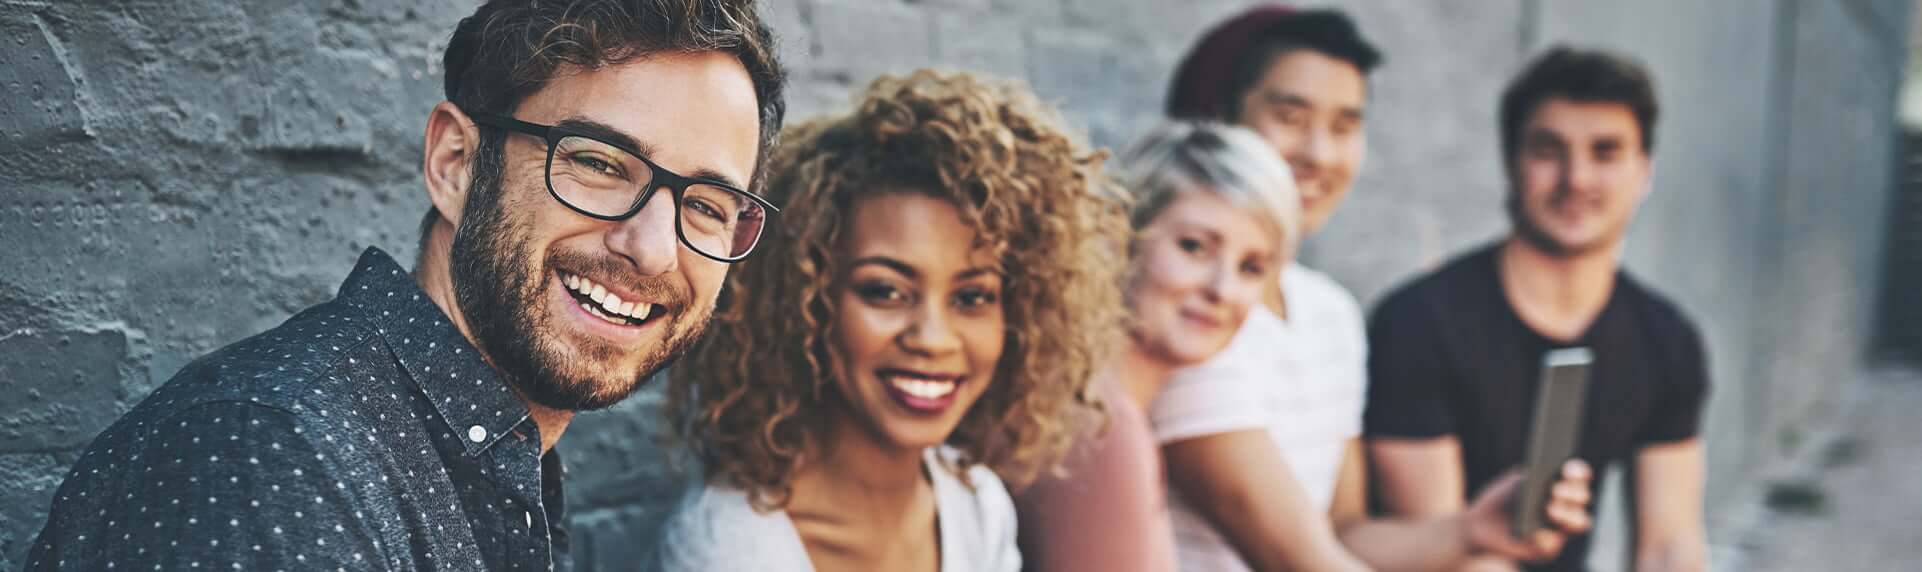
x,y
715,528
1304,380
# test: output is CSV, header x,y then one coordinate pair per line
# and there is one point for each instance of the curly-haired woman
x,y
928,319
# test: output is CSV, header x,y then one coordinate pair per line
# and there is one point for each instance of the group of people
x,y
935,331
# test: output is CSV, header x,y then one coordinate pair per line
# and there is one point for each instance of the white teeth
x,y
923,388
606,304
598,314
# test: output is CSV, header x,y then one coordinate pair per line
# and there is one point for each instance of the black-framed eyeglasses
x,y
612,182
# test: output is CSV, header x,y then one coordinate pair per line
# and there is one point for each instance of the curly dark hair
x,y
757,392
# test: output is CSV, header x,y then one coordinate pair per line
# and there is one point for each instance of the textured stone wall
x,y
179,174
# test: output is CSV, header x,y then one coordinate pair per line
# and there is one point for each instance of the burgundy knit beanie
x,y
1196,89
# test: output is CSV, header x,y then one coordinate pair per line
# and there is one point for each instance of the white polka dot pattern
x,y
363,434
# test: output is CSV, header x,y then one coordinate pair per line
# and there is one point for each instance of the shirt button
x,y
529,518
477,433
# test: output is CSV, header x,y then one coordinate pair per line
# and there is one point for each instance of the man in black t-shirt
x,y
1456,356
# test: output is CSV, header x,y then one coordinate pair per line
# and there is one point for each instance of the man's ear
x,y
447,164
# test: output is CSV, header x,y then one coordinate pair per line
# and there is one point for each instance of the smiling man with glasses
x,y
605,177
410,423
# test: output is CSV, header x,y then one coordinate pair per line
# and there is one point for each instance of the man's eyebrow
x,y
1274,97
1541,135
609,134
1277,97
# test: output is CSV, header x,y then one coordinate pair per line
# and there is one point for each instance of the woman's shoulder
x,y
978,485
972,497
976,514
715,527
1316,290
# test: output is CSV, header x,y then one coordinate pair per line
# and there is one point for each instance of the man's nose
x,y
648,240
1316,151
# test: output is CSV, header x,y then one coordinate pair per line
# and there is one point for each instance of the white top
x,y
1304,380
715,528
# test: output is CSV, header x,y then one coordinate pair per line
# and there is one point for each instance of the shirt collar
x,y
470,395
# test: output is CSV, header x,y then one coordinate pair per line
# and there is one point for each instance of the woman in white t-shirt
x,y
927,316
1300,381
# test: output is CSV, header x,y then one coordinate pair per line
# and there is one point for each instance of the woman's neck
x,y
859,504
1139,372
851,472
851,460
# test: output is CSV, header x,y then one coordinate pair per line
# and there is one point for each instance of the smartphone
x,y
1552,435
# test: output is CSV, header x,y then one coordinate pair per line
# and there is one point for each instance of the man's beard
x,y
500,290
1538,237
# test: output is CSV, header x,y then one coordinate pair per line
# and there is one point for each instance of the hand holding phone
x,y
1552,434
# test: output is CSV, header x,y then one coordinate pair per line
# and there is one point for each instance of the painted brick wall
x,y
179,174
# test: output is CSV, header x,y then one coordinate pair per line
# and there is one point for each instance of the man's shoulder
x,y
282,380
277,381
276,368
1662,321
1651,303
1459,281
187,468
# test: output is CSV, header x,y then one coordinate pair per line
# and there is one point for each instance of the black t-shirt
x,y
1449,356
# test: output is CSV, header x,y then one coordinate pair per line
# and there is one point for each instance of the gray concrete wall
x,y
179,174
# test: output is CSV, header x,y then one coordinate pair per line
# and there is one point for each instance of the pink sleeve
x,y
1108,511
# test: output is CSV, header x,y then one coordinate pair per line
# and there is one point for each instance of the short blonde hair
x,y
1230,162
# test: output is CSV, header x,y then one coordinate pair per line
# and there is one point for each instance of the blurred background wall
x,y
179,174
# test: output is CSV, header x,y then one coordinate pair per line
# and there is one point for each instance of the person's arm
x,y
1454,540
1669,534
1242,485
1107,512
1418,477
1668,468
1350,503
1432,544
1409,426
1212,421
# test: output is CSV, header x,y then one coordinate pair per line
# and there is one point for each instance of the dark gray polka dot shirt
x,y
363,434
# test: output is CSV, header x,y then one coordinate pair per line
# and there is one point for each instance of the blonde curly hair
x,y
753,396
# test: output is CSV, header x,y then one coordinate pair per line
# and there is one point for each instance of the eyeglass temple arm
x,y
509,123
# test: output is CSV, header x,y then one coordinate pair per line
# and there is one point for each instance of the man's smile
x,y
615,312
